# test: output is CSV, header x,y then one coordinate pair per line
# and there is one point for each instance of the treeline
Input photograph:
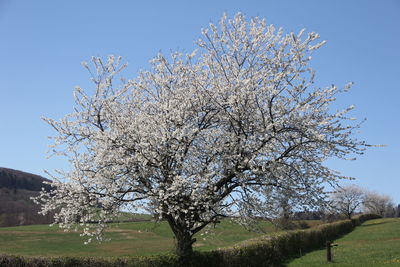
x,y
353,199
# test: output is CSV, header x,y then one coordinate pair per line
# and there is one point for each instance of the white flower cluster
x,y
224,131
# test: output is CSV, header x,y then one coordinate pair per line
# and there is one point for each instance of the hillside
x,y
16,189
14,179
374,243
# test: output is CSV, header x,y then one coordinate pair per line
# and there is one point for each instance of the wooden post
x,y
328,251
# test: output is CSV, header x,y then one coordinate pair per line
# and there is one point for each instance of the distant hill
x,y
16,189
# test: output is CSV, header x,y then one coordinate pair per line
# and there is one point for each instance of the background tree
x,y
283,200
283,215
203,136
348,199
378,204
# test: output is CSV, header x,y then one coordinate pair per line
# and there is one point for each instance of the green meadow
x,y
374,243
126,239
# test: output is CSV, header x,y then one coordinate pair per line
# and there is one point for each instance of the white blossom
x,y
222,131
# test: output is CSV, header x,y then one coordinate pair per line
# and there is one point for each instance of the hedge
x,y
263,251
274,250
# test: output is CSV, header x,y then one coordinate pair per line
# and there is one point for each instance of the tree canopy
x,y
222,131
348,200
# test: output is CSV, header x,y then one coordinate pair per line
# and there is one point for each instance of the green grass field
x,y
374,243
127,239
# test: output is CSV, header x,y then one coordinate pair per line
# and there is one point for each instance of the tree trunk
x,y
184,244
184,240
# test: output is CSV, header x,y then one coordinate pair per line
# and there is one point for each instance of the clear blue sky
x,y
42,44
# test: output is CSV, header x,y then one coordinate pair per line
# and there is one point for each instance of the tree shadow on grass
x,y
304,252
293,257
372,224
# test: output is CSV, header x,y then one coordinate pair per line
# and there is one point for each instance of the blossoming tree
x,y
348,199
220,132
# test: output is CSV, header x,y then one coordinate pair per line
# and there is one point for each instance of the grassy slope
x,y
375,243
136,238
